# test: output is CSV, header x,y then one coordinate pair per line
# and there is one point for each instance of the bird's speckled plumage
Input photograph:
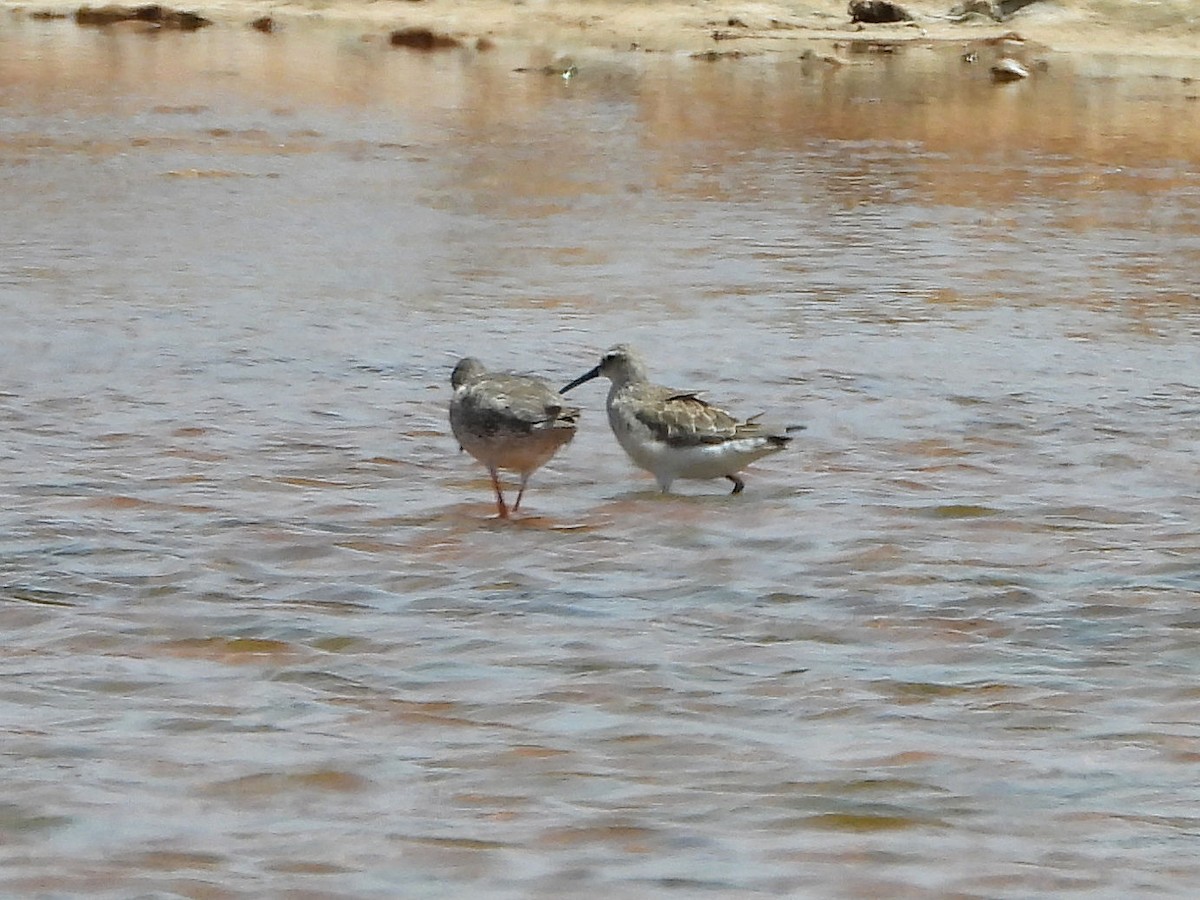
x,y
676,434
512,422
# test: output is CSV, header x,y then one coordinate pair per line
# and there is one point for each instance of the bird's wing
x,y
519,402
682,418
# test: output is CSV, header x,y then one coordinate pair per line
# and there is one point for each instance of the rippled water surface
x,y
265,636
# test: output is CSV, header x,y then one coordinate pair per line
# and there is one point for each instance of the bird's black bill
x,y
586,376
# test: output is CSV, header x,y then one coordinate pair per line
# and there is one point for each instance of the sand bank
x,y
733,28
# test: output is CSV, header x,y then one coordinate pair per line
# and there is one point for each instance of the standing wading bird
x,y
513,422
674,434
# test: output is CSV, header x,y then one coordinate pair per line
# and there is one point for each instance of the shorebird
x,y
513,422
675,434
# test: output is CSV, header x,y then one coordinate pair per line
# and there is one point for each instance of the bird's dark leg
x,y
501,508
738,484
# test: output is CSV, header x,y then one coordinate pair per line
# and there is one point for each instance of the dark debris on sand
x,y
159,16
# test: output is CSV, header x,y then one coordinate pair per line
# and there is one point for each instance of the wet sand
x,y
1168,28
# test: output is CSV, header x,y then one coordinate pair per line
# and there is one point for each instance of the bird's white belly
x,y
698,461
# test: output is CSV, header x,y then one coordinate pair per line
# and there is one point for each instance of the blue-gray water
x,y
265,637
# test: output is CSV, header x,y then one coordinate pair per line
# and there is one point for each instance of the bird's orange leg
x,y
520,493
501,508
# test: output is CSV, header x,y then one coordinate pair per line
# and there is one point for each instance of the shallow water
x,y
265,635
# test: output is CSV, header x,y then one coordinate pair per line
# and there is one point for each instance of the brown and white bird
x,y
675,434
512,422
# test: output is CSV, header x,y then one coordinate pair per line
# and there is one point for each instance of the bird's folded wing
x,y
521,401
682,418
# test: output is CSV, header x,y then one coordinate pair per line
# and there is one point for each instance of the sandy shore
x,y
1166,28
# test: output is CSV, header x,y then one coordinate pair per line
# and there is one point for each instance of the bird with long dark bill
x,y
677,434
